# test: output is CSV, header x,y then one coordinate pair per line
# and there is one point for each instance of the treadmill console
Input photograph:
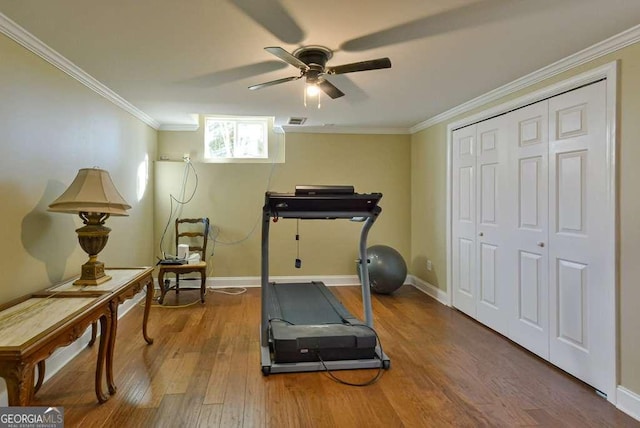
x,y
324,190
338,201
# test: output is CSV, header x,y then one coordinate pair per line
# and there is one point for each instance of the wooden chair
x,y
194,232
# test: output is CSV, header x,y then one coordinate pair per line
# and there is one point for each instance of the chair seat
x,y
200,267
185,268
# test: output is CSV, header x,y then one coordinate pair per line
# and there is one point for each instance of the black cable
x,y
180,203
280,319
344,382
298,263
255,225
370,381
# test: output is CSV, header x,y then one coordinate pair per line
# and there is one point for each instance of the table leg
x,y
203,285
105,339
147,308
161,284
19,380
111,345
94,333
41,370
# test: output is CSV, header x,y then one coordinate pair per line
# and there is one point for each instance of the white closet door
x,y
528,153
581,287
464,220
492,271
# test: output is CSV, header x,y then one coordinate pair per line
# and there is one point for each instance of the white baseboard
x,y
62,356
429,289
629,402
331,280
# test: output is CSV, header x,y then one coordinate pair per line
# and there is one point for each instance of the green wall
x,y
428,179
232,195
428,205
51,126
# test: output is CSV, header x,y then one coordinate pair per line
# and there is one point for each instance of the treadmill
x,y
303,326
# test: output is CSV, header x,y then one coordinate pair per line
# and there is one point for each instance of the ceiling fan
x,y
312,60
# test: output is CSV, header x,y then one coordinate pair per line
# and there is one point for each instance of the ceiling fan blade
x,y
374,64
221,77
287,57
274,82
328,88
273,17
469,16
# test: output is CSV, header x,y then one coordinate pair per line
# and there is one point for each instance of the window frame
x,y
237,122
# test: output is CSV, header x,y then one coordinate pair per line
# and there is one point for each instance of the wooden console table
x,y
32,327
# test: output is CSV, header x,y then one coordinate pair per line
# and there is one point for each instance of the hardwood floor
x,y
204,371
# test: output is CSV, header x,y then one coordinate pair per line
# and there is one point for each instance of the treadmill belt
x,y
319,326
305,304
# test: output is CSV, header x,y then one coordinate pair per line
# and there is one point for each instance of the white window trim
x,y
275,141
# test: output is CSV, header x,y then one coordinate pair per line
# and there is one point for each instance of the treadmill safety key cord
x,y
298,263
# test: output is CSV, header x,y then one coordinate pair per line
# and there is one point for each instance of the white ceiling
x,y
172,59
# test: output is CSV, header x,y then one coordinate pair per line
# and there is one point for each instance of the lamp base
x,y
92,274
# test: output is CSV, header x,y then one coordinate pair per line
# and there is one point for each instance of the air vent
x,y
296,120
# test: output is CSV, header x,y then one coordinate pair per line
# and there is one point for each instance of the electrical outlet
x,y
429,265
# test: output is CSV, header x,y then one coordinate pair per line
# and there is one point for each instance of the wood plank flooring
x,y
204,371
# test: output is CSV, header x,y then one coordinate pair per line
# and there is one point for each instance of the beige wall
x,y
429,202
428,205
232,195
51,126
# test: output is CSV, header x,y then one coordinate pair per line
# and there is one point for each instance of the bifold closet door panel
x,y
528,246
581,315
463,240
533,229
492,218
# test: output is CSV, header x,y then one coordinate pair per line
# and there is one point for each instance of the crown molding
x,y
179,127
21,36
598,50
297,129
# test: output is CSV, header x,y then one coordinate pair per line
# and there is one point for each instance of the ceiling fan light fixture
x,y
311,62
312,89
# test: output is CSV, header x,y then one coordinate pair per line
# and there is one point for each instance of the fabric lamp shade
x,y
91,191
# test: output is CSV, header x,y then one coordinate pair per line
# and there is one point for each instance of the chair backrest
x,y
194,232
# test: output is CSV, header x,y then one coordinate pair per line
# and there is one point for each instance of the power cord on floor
x,y
371,381
238,291
333,377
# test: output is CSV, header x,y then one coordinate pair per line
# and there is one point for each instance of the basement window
x,y
229,138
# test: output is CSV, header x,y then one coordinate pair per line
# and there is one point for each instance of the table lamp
x,y
94,198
